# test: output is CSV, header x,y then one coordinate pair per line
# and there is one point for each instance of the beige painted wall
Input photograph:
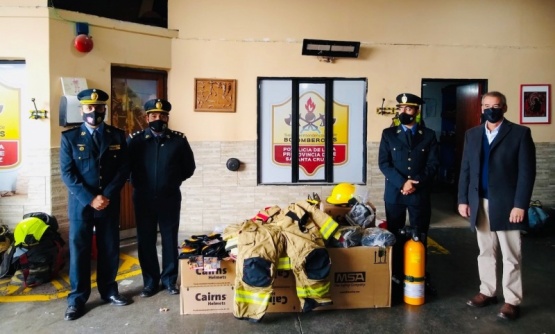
x,y
43,38
115,43
507,42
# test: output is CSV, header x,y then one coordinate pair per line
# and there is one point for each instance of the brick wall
x,y
215,197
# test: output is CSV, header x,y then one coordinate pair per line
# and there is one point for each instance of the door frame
x,y
124,112
470,114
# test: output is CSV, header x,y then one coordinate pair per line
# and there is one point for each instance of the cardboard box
x,y
360,278
192,275
206,299
195,275
219,299
284,300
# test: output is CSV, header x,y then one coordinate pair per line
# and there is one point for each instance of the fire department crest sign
x,y
311,133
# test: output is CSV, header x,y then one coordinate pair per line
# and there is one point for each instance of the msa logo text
x,y
350,277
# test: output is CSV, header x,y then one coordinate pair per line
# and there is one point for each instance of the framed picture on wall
x,y
535,104
215,95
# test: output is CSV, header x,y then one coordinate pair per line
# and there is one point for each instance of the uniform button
x,y
410,159
409,176
100,188
101,177
409,168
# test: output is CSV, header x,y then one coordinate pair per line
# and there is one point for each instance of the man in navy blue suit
x,y
497,176
94,167
409,159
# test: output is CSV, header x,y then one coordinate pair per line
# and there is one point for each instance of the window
x,y
311,130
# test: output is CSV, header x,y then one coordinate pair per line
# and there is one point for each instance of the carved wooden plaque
x,y
215,95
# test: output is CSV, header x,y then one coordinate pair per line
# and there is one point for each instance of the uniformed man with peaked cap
x,y
409,159
94,168
160,160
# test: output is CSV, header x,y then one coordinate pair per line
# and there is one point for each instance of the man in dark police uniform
x,y
94,168
409,159
160,161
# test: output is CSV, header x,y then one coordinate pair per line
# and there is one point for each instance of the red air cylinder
x,y
415,272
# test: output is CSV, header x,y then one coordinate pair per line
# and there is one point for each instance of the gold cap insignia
x,y
404,99
158,105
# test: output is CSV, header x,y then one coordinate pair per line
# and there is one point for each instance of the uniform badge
x,y
114,147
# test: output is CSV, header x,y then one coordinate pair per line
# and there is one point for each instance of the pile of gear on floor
x,y
294,238
34,253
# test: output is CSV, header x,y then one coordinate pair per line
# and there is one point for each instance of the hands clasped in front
x,y
100,202
409,187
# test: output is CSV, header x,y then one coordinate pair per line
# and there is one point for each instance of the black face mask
x,y
158,125
493,115
405,118
94,118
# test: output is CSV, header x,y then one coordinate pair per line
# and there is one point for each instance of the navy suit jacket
x,y
512,173
157,170
399,162
87,174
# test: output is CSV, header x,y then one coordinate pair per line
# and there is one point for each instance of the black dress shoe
x,y
73,312
172,289
148,292
118,300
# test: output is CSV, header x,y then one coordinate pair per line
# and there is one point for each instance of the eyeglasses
x,y
87,108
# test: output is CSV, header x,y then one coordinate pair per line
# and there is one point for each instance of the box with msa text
x,y
360,277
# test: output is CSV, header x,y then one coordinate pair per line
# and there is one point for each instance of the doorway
x,y
131,88
451,107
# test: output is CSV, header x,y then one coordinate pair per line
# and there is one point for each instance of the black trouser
x,y
107,243
151,214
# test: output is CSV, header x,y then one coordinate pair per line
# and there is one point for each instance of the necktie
x,y
408,132
96,139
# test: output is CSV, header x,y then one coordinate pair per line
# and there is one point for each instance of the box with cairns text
x,y
218,272
360,277
207,286
219,299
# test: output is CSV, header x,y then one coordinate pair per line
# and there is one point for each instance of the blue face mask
x,y
94,118
493,115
